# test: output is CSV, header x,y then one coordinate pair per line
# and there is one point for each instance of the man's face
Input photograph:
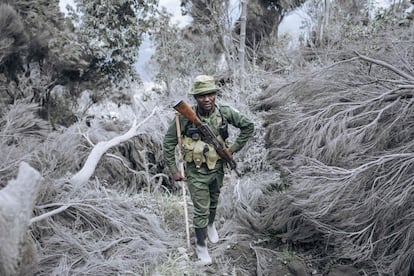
x,y
206,102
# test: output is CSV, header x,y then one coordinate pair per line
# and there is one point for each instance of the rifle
x,y
208,135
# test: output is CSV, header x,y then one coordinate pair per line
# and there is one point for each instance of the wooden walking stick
x,y
181,164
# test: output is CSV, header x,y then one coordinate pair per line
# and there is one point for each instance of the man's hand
x,y
178,177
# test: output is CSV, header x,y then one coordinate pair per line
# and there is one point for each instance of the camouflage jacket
x,y
230,115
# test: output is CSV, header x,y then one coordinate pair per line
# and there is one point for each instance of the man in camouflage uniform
x,y
204,167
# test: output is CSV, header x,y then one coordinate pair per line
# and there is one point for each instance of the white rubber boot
x,y
201,247
212,233
203,256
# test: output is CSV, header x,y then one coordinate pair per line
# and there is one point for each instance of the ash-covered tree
x,y
263,20
44,54
208,14
113,31
13,47
179,53
332,19
211,27
60,59
51,47
264,17
339,23
211,22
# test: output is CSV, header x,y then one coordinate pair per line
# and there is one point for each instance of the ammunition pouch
x,y
199,152
211,157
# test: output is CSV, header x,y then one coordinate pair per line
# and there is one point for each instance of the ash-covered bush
x,y
22,133
342,138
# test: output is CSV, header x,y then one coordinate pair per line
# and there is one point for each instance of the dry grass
x,y
100,233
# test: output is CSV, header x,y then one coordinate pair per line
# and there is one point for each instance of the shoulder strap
x,y
223,119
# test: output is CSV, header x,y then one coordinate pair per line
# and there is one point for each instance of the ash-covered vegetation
x,y
327,183
342,137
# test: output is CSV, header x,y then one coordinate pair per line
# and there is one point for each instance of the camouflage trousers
x,y
204,187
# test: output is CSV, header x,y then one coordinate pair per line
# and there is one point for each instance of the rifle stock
x,y
186,110
207,134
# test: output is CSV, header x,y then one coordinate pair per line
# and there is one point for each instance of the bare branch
x,y
386,65
120,159
99,149
49,214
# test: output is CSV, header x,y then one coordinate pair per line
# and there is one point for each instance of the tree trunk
x,y
17,200
325,21
242,46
